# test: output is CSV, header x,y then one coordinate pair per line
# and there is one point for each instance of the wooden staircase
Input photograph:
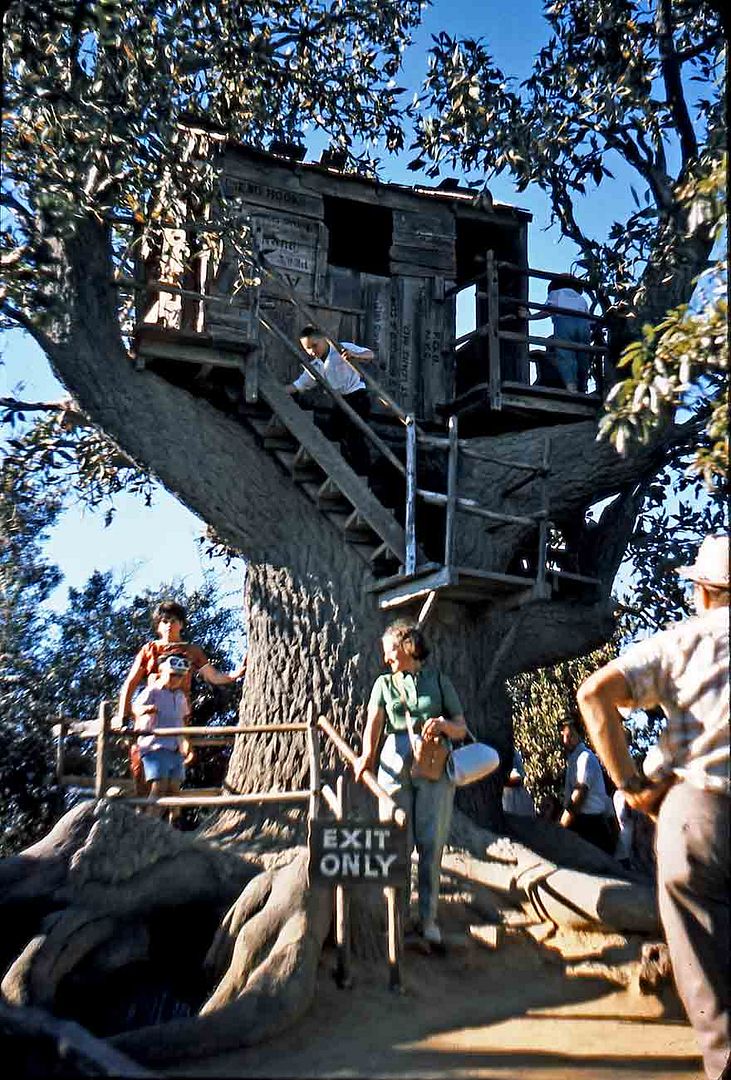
x,y
317,467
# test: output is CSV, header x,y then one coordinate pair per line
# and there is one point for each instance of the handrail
x,y
561,343
553,308
546,275
367,778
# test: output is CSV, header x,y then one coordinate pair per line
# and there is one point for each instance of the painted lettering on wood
x,y
358,853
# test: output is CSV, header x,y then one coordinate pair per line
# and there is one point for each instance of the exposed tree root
x,y
104,872
270,980
41,1045
568,897
100,870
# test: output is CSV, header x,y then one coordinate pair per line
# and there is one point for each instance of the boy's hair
x,y
170,608
311,331
410,637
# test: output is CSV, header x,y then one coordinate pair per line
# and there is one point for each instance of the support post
x,y
493,336
251,376
102,748
60,750
313,752
543,523
452,465
395,933
342,904
410,523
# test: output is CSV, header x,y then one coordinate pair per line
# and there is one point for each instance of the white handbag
x,y
471,763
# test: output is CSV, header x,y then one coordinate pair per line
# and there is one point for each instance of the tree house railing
x,y
317,794
498,390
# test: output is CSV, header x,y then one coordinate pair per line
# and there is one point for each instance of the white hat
x,y
711,563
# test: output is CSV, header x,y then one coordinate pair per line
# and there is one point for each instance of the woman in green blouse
x,y
436,712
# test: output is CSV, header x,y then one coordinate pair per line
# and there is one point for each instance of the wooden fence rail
x,y
313,797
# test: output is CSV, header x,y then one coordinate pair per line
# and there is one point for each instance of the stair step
x,y
330,495
310,488
277,442
305,467
286,458
356,528
382,553
276,429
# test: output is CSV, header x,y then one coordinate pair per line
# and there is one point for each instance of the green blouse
x,y
427,694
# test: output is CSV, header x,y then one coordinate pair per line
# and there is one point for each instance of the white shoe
x,y
432,933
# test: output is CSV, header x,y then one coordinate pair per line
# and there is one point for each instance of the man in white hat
x,y
685,670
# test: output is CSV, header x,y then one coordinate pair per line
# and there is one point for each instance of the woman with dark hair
x,y
412,694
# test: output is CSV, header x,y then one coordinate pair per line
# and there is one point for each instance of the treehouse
x,y
436,282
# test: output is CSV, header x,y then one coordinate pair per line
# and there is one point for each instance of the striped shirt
x,y
685,671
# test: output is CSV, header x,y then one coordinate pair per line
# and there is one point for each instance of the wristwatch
x,y
636,784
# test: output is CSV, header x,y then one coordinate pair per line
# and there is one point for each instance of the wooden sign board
x,y
358,853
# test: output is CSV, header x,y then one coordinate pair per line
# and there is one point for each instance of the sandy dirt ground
x,y
541,1005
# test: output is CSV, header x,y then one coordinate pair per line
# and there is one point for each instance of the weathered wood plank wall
x,y
392,299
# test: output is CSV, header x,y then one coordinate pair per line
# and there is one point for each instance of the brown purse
x,y
429,756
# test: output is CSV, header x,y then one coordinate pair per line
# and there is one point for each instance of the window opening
x,y
359,235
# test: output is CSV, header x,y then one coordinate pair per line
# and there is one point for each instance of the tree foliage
x,y
682,362
608,93
543,699
100,98
28,798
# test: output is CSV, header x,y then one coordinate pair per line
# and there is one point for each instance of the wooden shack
x,y
435,281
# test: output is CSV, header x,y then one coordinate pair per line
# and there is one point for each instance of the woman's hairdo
x,y
171,609
410,637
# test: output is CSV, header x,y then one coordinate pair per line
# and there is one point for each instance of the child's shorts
x,y
163,765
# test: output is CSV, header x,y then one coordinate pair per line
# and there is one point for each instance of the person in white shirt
x,y
685,670
516,799
586,805
564,366
334,367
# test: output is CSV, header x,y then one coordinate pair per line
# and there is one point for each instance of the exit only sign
x,y
358,853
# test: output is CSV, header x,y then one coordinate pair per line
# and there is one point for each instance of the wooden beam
x,y
102,748
553,406
413,589
493,314
470,506
190,354
410,522
367,779
451,503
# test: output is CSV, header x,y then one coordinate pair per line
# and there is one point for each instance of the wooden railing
x,y
495,334
316,794
454,503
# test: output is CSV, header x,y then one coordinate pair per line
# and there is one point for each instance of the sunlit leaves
x,y
597,93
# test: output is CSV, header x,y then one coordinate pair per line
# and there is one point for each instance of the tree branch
x,y
40,336
670,67
14,405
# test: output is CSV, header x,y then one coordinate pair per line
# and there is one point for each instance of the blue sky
x,y
153,545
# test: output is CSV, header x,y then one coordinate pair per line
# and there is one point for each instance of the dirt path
x,y
547,1009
